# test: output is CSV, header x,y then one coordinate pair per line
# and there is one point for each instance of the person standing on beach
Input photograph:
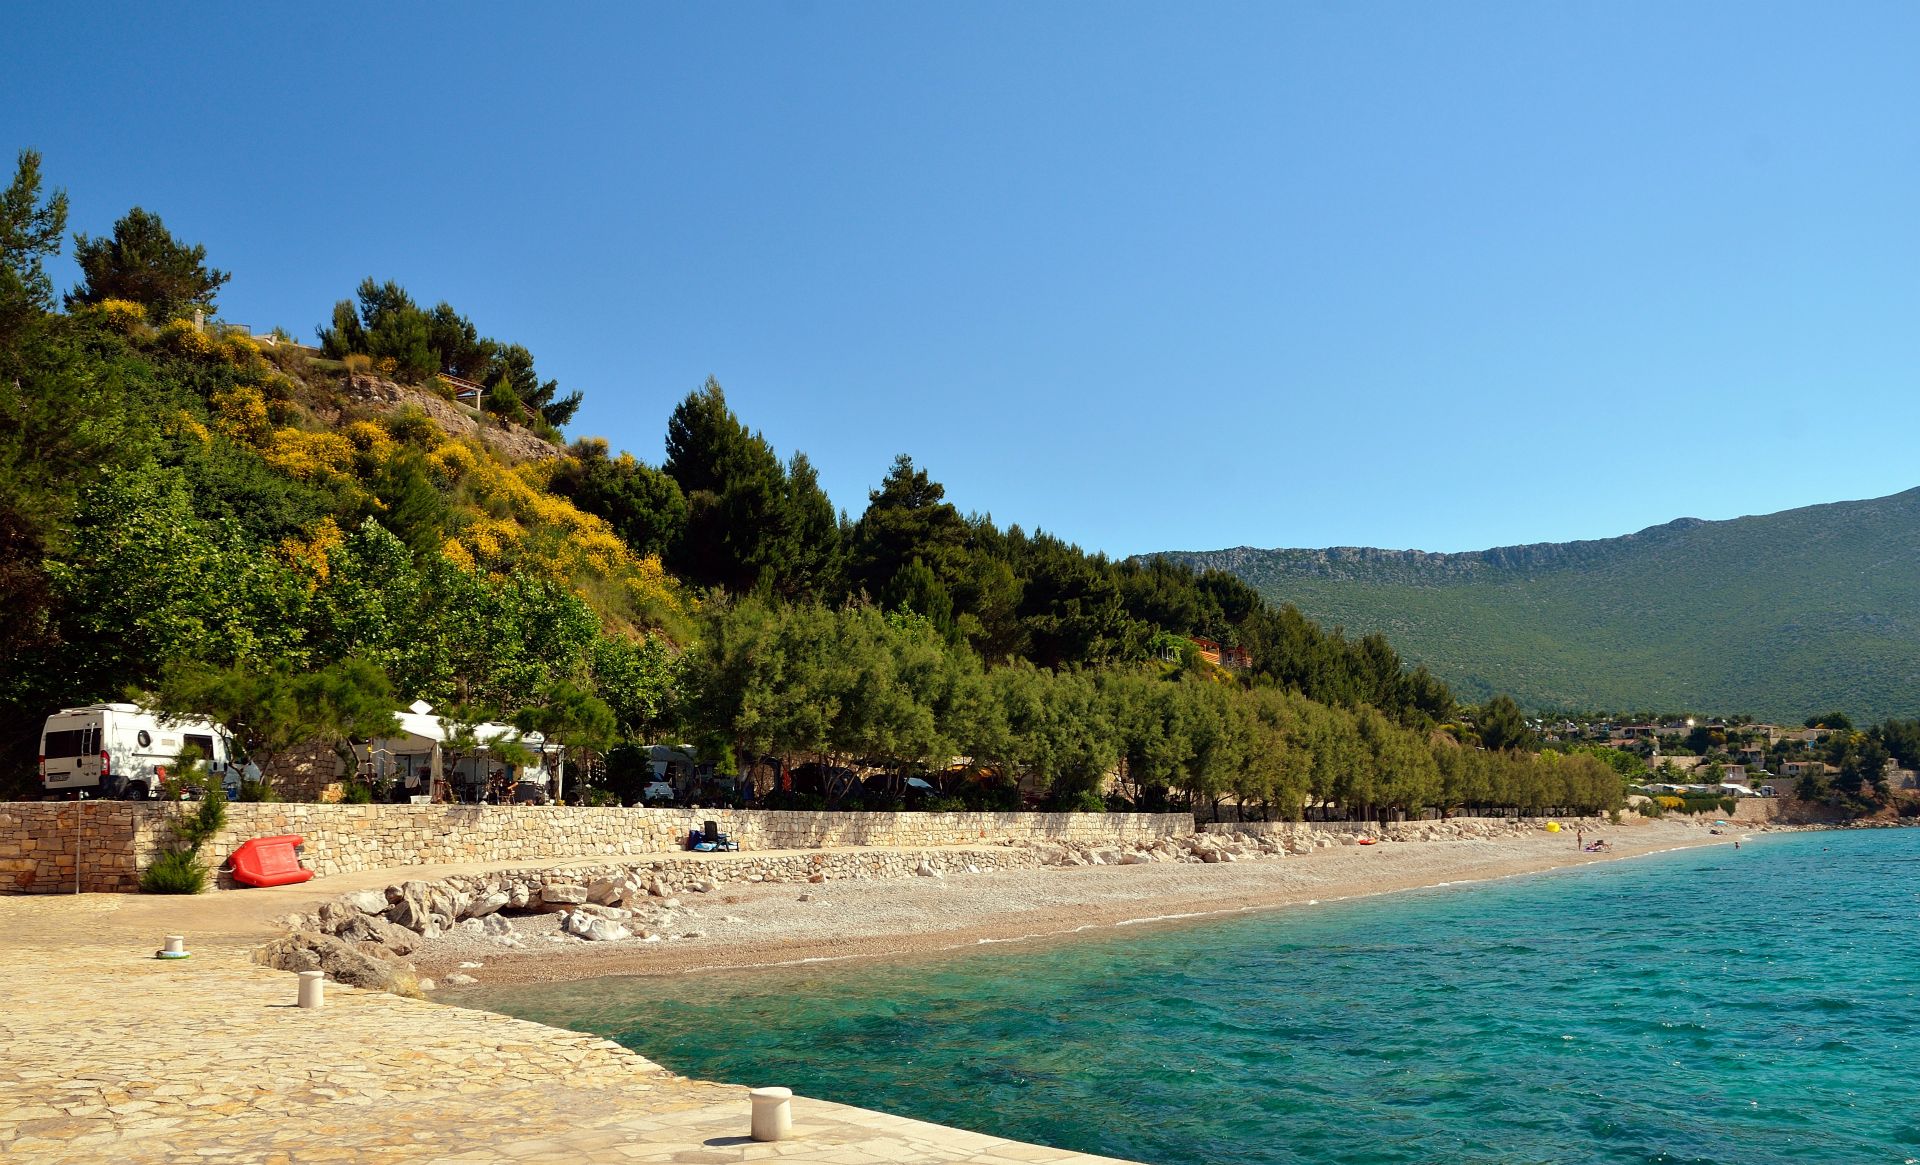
x,y
1579,839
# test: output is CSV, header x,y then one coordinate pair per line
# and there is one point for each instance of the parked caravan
x,y
126,751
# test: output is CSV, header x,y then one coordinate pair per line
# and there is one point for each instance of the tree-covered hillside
x,y
1774,615
296,540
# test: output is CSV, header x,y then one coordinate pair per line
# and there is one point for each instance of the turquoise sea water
x,y
1710,1005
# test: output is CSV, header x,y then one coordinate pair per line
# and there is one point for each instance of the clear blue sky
x,y
1177,276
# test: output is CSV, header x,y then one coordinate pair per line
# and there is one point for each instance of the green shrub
x,y
256,792
1084,801
177,871
1001,796
410,425
502,401
209,817
121,315
356,793
182,338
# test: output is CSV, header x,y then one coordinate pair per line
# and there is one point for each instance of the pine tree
x,y
30,231
142,262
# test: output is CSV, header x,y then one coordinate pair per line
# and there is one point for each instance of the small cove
x,y
1699,1006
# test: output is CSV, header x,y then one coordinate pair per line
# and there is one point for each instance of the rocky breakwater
x,y
365,938
1256,841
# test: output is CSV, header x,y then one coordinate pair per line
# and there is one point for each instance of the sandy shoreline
x,y
740,927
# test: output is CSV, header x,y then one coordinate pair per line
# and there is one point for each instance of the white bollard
x,y
772,1114
312,988
175,948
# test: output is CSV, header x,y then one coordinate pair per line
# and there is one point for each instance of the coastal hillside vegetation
x,y
298,539
1857,771
1772,615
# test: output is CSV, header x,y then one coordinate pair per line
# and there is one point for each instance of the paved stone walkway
x,y
108,1054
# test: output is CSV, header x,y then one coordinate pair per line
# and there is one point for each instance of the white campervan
x,y
125,751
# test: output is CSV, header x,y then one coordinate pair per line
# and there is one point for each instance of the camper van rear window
x,y
68,742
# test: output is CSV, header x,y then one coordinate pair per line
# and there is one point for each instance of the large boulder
x,y
375,929
563,894
333,917
634,894
596,910
367,901
586,926
410,904
485,903
380,952
311,951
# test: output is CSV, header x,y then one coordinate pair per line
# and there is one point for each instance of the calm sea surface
x,y
1704,1006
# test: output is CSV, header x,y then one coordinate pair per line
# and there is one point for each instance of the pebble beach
x,y
742,925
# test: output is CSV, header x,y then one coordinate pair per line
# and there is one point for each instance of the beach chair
x,y
719,841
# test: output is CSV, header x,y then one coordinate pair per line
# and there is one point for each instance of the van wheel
x,y
134,791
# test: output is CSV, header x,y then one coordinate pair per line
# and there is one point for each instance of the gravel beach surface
x,y
739,925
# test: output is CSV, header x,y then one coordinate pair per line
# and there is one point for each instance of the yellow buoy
x,y
1553,827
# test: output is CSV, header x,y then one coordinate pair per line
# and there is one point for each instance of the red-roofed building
x,y
1231,658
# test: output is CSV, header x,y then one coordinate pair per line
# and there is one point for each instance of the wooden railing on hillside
x,y
464,389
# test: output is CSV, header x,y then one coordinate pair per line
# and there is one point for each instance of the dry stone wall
x,y
39,842
116,839
1426,830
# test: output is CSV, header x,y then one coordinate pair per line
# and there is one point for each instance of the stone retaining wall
x,y
1785,810
37,845
1374,828
118,839
1287,828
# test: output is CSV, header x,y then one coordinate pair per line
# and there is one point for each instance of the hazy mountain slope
x,y
1780,615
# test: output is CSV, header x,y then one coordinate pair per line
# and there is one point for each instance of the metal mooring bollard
x,y
175,948
772,1114
312,988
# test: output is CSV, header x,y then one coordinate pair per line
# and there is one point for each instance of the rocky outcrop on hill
x,y
455,420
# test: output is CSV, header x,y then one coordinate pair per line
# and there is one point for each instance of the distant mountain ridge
x,y
1780,615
